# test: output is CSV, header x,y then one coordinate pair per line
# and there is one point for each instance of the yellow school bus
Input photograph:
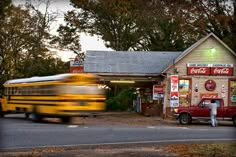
x,y
62,96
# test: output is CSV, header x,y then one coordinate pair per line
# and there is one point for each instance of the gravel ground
x,y
123,119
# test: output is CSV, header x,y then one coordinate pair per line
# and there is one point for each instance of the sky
x,y
87,42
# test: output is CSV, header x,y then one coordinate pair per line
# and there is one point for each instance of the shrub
x,y
123,101
112,104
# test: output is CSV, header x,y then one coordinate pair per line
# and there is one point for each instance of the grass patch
x,y
32,154
38,152
204,150
182,150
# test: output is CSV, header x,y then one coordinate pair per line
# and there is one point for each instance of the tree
x,y
24,42
112,20
217,16
46,65
154,24
166,27
133,25
13,40
4,4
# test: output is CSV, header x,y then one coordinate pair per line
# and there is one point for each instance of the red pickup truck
x,y
186,115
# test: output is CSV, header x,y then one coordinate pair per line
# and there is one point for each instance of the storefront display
x,y
184,92
232,94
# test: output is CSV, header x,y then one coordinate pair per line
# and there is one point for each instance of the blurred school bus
x,y
62,96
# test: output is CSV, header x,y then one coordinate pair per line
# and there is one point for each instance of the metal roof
x,y
128,62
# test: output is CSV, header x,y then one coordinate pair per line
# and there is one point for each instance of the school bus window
x,y
11,91
7,91
26,91
4,92
43,90
23,91
15,91
40,90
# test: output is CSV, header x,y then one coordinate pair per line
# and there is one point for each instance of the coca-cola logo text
x,y
210,70
221,71
198,71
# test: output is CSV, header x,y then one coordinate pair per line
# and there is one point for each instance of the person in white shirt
x,y
213,110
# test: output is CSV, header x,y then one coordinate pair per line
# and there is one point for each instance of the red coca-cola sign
x,y
210,69
199,70
222,71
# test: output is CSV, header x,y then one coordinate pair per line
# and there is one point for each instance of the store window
x,y
232,92
147,96
184,92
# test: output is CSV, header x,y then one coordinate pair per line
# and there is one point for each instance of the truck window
x,y
218,103
206,103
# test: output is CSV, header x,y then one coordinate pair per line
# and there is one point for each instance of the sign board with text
x,y
209,95
174,94
77,69
158,91
210,69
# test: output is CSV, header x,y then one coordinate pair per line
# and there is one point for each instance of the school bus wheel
x,y
27,115
66,120
35,115
1,112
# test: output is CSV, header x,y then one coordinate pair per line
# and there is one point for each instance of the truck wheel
x,y
185,119
234,120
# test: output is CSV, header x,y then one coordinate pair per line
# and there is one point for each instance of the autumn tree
x,y
217,16
114,21
148,25
13,34
166,26
4,4
153,24
24,41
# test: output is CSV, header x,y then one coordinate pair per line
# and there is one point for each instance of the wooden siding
x,y
202,54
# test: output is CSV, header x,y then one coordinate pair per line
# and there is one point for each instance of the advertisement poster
x,y
174,99
77,64
77,69
208,95
158,91
223,91
174,91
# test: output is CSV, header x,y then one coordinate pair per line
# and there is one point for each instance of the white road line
x,y
169,127
72,126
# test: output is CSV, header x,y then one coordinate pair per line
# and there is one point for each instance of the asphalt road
x,y
21,133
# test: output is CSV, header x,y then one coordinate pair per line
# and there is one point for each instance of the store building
x,y
139,69
206,69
